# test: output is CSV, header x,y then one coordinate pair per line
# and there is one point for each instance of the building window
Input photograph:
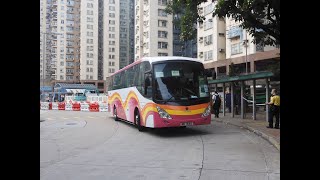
x,y
112,36
111,1
208,24
112,22
90,41
112,42
162,34
208,9
162,45
111,49
112,29
162,2
112,8
89,55
89,19
89,12
123,35
111,56
89,5
208,40
162,13
89,48
208,55
90,34
162,54
123,48
162,23
236,48
89,26
112,15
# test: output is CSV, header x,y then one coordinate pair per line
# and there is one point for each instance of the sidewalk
x,y
256,126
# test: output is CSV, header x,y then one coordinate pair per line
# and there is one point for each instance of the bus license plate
x,y
186,124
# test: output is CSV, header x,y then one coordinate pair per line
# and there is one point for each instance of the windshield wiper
x,y
165,101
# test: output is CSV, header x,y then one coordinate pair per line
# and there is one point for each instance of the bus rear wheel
x,y
115,114
138,120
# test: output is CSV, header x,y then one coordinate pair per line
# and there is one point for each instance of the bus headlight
x,y
163,113
206,112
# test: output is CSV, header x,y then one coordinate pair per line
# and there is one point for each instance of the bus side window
x,y
147,88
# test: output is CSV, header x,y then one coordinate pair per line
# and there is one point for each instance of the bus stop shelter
x,y
64,88
241,79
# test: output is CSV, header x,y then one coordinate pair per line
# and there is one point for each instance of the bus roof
x,y
156,59
167,58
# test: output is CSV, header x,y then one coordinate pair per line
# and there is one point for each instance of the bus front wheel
x,y
138,120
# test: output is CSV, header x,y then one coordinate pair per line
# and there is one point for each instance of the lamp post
x,y
245,43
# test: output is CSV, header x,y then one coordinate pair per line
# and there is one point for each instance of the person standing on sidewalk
x,y
274,109
216,100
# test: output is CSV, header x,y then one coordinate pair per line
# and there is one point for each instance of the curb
x,y
270,139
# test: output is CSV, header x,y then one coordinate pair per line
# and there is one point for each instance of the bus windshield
x,y
180,81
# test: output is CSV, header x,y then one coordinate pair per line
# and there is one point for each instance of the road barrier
x,y
93,104
55,105
103,107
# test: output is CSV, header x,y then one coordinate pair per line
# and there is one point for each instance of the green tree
x,y
261,18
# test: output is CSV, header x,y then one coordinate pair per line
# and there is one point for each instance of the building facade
x,y
211,35
85,39
222,43
153,29
182,48
89,39
61,27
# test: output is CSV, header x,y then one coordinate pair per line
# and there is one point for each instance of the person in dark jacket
x,y
216,100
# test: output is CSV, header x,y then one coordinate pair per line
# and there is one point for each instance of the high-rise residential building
x,y
180,47
239,45
85,39
100,39
89,39
211,35
117,42
111,36
44,19
222,42
153,29
61,34
126,29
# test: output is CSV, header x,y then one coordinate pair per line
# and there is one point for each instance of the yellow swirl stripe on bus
x,y
191,112
114,96
147,108
131,94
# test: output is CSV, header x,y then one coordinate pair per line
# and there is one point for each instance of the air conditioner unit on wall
x,y
221,50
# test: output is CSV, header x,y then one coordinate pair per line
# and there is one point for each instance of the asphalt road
x,y
92,146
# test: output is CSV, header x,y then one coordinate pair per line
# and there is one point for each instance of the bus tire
x,y
138,121
115,114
